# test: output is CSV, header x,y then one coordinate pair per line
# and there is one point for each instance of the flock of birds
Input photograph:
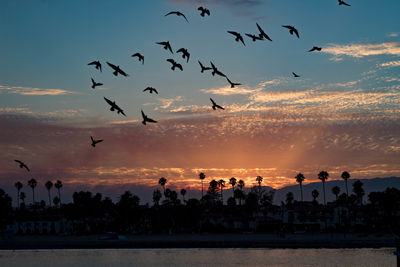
x,y
175,65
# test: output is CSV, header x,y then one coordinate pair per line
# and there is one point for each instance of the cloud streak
x,y
362,50
33,91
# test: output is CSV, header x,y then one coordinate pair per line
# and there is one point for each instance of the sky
x,y
341,114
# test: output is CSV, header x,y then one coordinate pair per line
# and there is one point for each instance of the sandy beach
x,y
243,240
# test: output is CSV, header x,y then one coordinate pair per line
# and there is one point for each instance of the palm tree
x,y
289,198
32,184
346,176
162,182
19,186
232,182
202,176
183,193
315,194
323,176
300,178
358,190
221,184
48,186
241,185
336,191
58,186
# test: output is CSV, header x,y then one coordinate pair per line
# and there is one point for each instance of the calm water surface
x,y
199,257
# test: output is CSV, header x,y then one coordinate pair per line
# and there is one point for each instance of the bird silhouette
x,y
238,36
295,75
97,64
117,70
177,13
147,119
139,56
292,30
94,142
114,106
204,11
203,68
22,165
151,90
94,84
315,48
216,71
215,105
166,45
231,83
185,54
341,2
254,37
263,34
175,64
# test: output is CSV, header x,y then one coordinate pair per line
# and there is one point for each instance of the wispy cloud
x,y
391,64
33,91
393,34
15,110
167,102
362,50
227,90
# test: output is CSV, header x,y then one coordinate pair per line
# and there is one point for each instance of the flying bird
x,y
177,13
185,54
94,84
295,75
263,34
139,56
114,106
341,2
215,105
216,71
97,64
22,165
147,119
231,83
151,90
204,11
238,36
203,68
94,142
254,37
291,30
175,64
166,45
315,48
117,70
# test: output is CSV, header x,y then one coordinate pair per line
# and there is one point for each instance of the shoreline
x,y
320,240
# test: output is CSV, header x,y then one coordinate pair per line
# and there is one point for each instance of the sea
x,y
199,257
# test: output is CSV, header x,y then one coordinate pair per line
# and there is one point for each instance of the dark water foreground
x,y
321,240
199,257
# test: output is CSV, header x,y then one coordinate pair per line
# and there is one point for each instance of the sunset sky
x,y
343,113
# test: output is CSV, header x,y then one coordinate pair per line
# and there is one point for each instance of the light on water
x,y
199,257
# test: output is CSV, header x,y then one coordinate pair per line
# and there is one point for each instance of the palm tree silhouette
x,y
162,182
32,184
336,191
56,201
315,194
346,176
359,190
19,186
183,193
48,186
241,185
300,178
58,186
323,176
202,176
221,184
232,182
